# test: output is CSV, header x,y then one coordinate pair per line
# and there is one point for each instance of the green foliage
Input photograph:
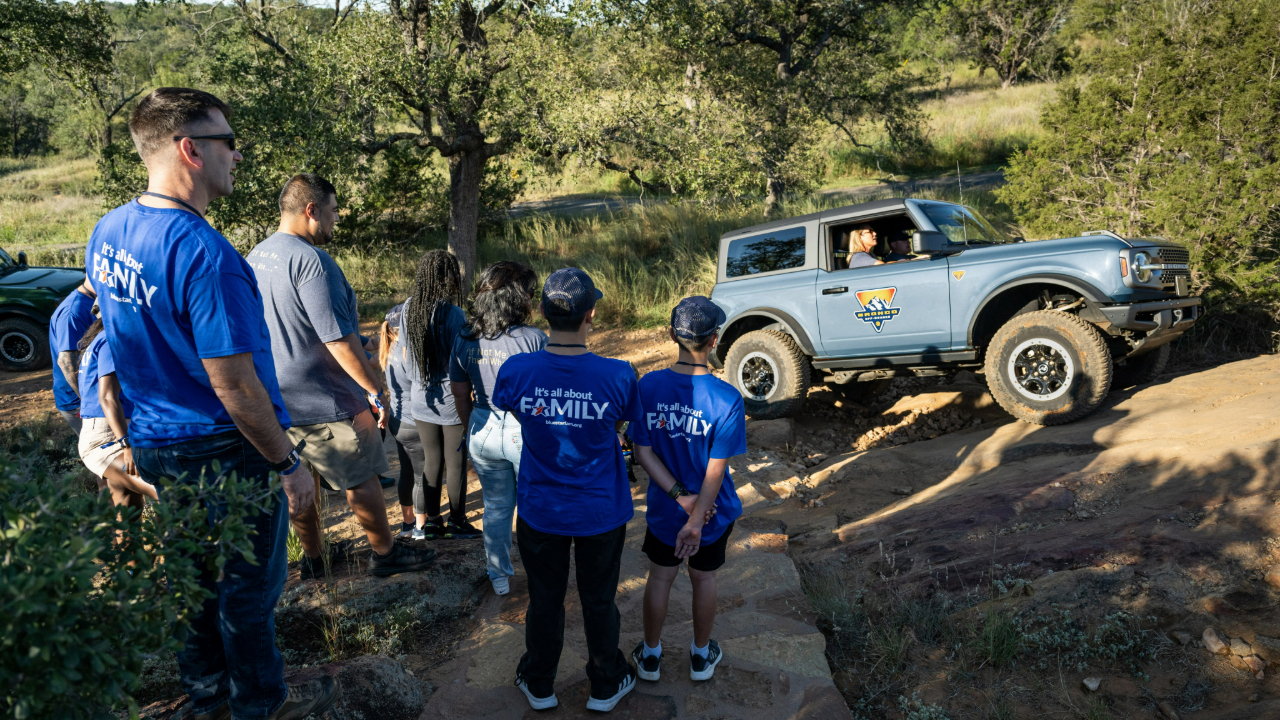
x,y
79,612
1118,639
1175,133
67,34
916,709
1012,37
1000,640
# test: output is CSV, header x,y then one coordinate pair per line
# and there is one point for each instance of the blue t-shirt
x,y
573,479
172,291
479,360
73,316
96,363
688,421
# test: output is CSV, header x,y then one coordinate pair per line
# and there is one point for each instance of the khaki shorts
x,y
344,453
94,433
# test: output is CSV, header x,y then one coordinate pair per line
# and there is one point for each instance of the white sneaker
x,y
501,585
606,704
535,702
417,534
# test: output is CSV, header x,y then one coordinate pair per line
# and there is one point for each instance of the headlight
x,y
1141,272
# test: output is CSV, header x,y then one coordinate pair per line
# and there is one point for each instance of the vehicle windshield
x,y
962,224
6,262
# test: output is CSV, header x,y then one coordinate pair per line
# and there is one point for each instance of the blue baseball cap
x,y
696,317
569,292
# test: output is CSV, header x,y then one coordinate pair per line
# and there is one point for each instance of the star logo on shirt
x,y
662,423
538,410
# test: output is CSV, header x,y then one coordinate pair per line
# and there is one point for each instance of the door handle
x,y
834,290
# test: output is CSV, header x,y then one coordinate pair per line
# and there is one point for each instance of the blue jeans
x,y
494,443
230,651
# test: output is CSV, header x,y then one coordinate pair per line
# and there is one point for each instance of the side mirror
x,y
1019,238
22,259
927,242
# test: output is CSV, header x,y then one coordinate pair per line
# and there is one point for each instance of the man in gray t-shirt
x,y
329,387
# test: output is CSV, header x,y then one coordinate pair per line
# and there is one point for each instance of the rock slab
x,y
773,434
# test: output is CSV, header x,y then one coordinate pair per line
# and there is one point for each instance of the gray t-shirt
x,y
478,361
307,302
434,403
402,375
861,259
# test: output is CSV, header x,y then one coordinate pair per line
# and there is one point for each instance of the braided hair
x,y
437,286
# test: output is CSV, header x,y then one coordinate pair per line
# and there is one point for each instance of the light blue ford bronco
x,y
1055,323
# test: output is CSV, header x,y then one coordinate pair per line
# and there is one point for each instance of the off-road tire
x,y
1144,368
777,355
1071,371
24,345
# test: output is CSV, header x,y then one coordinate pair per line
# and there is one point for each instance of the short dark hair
x,y
166,112
303,189
694,345
563,323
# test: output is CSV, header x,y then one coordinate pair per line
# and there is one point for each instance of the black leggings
x,y
409,452
444,458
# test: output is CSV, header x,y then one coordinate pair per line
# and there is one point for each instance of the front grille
x,y
1176,256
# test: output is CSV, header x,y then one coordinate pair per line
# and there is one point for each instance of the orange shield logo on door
x,y
877,306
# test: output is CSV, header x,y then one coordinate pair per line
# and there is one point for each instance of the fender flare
x,y
794,328
23,311
1086,290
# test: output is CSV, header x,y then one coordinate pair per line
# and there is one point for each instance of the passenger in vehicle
x,y
863,241
899,249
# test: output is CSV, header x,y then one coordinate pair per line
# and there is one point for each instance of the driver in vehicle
x,y
899,250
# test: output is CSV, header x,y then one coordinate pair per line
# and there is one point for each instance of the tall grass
x,y
973,123
46,202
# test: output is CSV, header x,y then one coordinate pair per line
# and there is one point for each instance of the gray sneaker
x,y
310,698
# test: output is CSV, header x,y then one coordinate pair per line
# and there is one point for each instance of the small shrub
x,y
917,709
1001,638
1119,639
79,613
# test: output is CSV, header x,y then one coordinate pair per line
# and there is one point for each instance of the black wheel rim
x,y
17,348
1041,370
757,377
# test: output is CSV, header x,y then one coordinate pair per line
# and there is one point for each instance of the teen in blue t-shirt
x,y
693,423
66,326
572,490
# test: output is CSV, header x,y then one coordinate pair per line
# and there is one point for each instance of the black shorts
x,y
709,558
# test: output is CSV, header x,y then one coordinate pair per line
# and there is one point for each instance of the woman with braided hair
x,y
431,322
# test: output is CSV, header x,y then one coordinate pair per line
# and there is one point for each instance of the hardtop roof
x,y
888,204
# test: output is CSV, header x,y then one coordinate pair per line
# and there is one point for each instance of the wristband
x,y
676,491
290,462
374,401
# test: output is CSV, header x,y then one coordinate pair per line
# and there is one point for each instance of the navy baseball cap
x,y
696,318
569,292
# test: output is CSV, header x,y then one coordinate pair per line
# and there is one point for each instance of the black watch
x,y
676,491
124,442
290,461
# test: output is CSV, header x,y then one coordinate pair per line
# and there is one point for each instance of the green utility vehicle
x,y
28,297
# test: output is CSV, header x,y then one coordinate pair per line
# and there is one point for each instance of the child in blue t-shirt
x,y
572,491
693,423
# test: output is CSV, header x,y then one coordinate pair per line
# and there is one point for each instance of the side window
x,y
779,250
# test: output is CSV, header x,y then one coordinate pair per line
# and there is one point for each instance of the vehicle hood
x,y
61,280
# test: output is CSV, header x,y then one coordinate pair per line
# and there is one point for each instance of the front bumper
x,y
1159,316
1157,322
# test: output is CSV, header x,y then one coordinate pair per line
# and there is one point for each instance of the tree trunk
x,y
773,195
465,171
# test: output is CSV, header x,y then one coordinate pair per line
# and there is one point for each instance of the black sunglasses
x,y
229,137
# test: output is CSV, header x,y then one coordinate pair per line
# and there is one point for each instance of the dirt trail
x,y
1161,504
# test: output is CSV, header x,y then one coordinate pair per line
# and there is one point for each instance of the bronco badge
x,y
877,306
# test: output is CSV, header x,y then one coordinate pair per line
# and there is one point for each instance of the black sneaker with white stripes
x,y
540,693
702,668
604,699
648,667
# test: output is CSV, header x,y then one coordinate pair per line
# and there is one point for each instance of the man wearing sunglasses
x,y
184,321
